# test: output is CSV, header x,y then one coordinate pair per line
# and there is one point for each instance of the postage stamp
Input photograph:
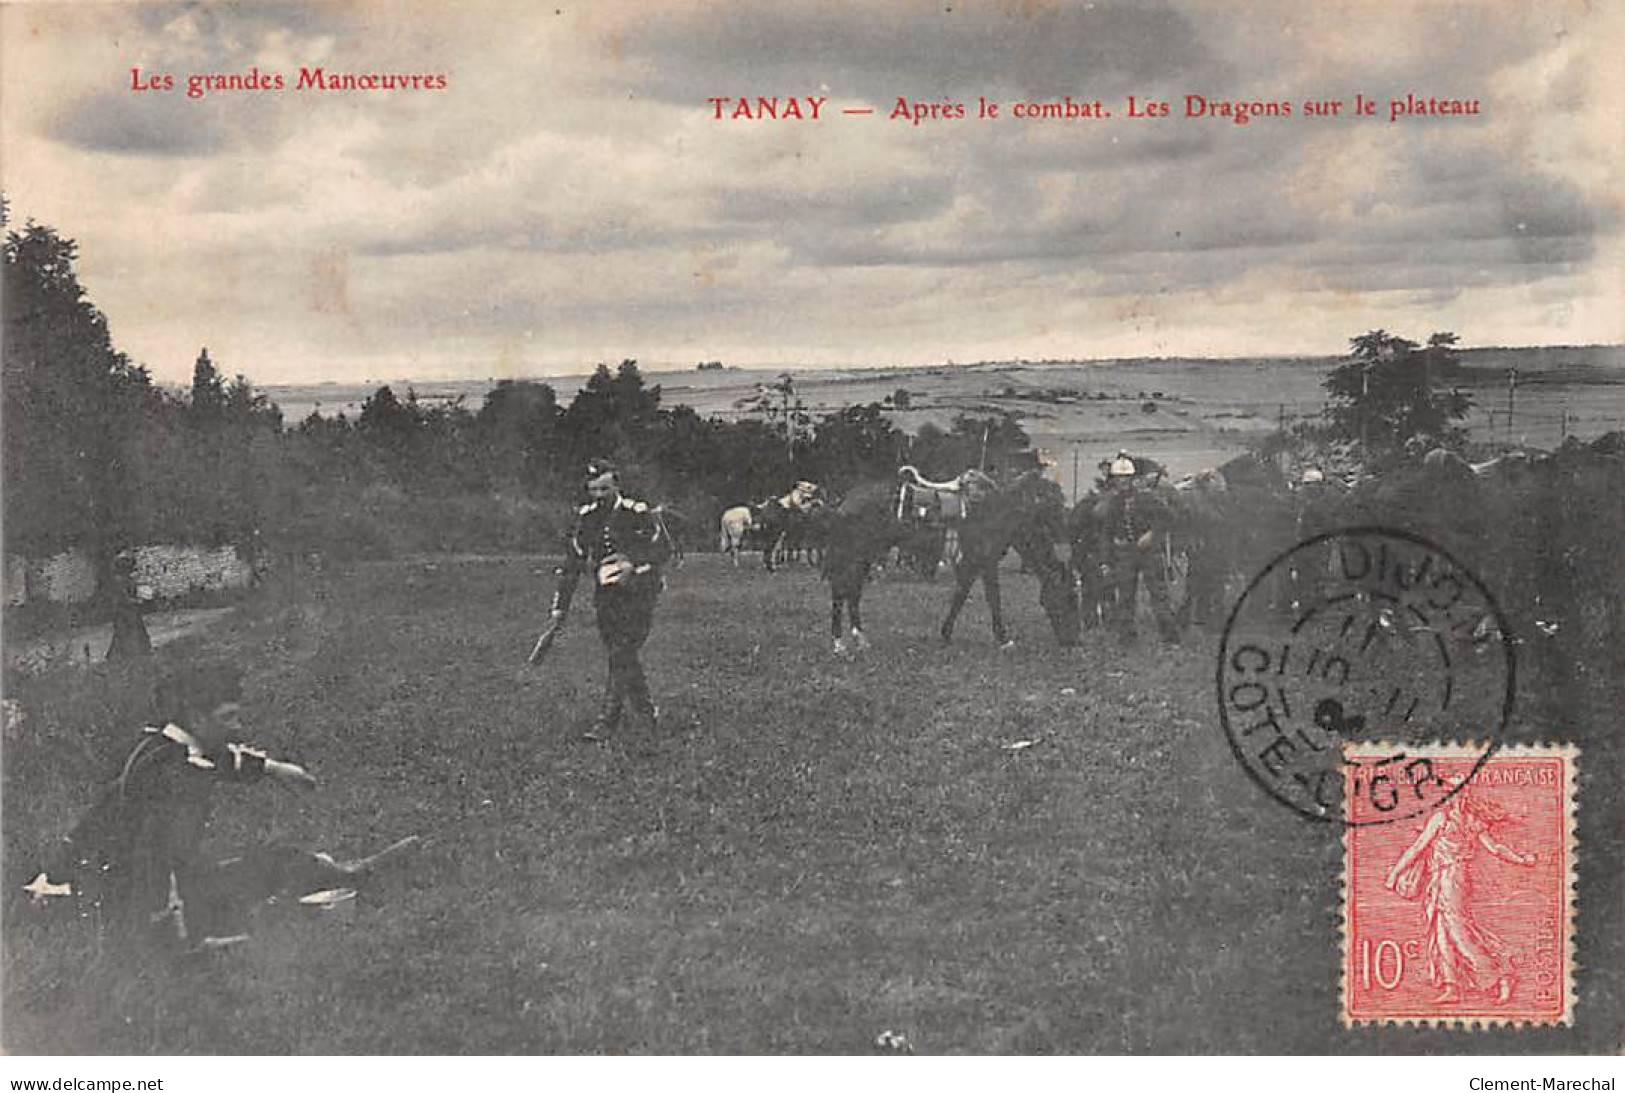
x,y
1462,915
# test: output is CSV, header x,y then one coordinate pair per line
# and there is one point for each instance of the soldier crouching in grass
x,y
623,544
135,863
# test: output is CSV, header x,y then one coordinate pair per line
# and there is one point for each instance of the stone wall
x,y
162,572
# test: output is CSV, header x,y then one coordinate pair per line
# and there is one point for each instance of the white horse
x,y
736,524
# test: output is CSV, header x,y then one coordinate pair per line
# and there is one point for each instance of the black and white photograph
x,y
871,529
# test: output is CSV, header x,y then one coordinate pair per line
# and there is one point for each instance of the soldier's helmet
x,y
600,468
1312,476
1121,467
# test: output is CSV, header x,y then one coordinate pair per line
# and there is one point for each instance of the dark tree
x,y
518,427
1384,397
385,416
852,445
72,408
996,442
615,414
208,389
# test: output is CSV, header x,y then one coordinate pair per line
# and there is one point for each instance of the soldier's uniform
x,y
136,856
622,544
1089,560
1209,549
1317,513
136,859
1133,526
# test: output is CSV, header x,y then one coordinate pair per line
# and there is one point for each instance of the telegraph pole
x,y
1365,410
1512,399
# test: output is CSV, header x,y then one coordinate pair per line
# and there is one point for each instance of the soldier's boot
x,y
1123,610
609,715
645,714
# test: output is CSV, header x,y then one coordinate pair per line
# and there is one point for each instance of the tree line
x,y
100,457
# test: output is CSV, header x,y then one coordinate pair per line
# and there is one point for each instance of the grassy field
x,y
811,852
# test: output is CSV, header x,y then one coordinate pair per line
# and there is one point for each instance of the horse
x,y
785,526
1027,515
922,552
736,525
804,533
770,523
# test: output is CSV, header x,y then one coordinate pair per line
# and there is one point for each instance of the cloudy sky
x,y
569,197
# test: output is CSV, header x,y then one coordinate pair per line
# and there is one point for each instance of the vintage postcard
x,y
980,527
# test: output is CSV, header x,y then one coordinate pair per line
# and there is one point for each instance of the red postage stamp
x,y
1462,914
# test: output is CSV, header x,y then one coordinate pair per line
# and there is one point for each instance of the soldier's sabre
x,y
549,635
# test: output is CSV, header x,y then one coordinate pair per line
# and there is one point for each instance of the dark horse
x,y
1027,515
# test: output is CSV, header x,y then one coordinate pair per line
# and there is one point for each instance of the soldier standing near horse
x,y
622,543
1133,527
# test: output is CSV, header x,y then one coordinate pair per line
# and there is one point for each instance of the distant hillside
x,y
1577,364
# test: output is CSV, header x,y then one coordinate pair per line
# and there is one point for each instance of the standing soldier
x,y
1134,525
1209,548
622,543
130,637
1317,514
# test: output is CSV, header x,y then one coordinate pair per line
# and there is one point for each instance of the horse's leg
x,y
860,641
964,577
990,585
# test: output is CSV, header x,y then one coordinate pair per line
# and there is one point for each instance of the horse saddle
x,y
921,500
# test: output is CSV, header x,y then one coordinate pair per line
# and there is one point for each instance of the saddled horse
x,y
1026,515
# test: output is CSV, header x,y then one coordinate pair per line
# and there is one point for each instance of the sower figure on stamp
x,y
622,543
1438,867
136,860
1134,526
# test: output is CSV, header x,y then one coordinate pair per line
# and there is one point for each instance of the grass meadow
x,y
812,851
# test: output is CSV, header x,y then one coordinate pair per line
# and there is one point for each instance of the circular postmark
x,y
1362,634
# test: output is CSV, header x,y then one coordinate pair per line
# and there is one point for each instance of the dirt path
x,y
88,644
